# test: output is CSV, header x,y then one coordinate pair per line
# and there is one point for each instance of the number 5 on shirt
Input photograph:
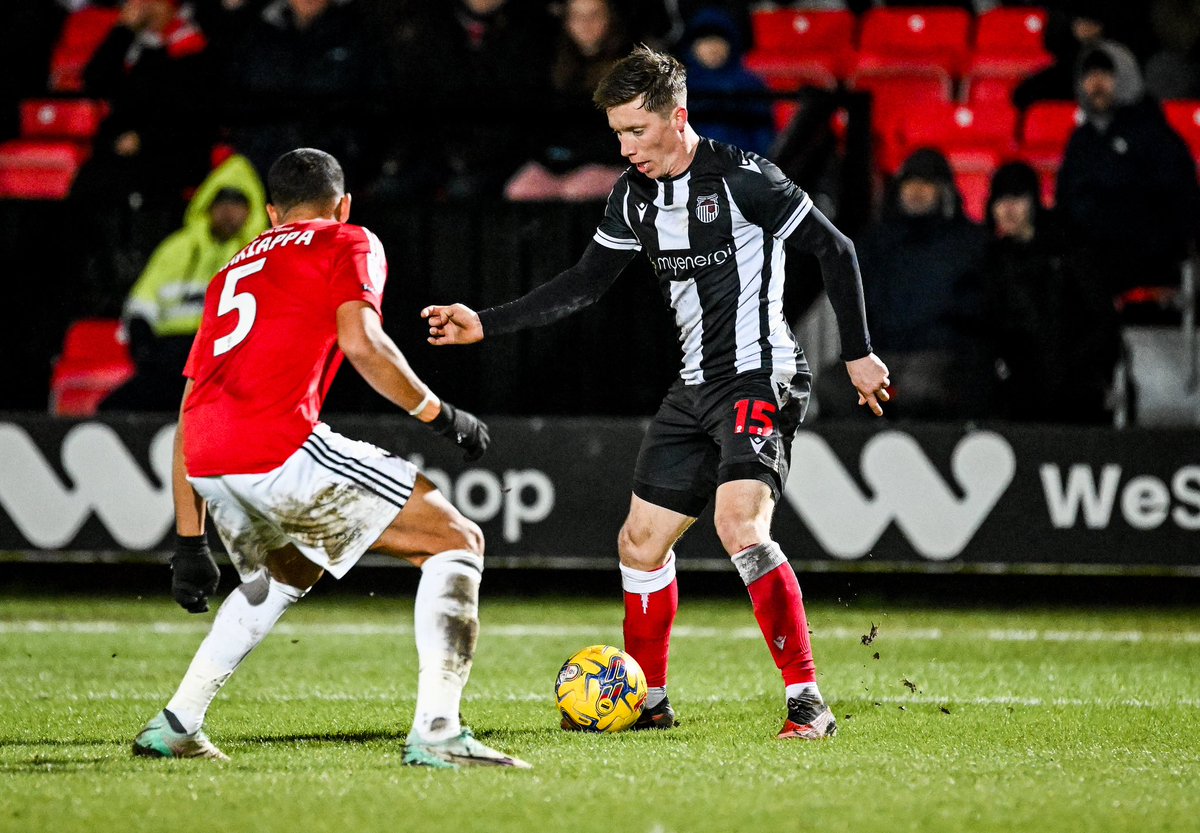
x,y
243,303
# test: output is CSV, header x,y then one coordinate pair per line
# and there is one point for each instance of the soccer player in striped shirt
x,y
717,224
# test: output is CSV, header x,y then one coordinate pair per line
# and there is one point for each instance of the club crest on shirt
x,y
707,208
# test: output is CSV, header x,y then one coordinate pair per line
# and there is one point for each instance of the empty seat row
x,y
55,140
976,140
94,362
818,46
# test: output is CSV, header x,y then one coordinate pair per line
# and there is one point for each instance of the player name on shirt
x,y
268,240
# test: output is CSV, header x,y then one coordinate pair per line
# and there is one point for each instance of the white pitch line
x,y
592,631
391,696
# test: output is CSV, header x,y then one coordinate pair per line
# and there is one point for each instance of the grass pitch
x,y
978,721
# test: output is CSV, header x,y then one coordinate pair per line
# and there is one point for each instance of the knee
x,y
471,537
737,530
638,550
292,569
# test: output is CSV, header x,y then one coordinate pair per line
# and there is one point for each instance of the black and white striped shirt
x,y
716,236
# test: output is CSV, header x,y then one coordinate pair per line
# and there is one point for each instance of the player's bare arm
x,y
194,573
189,506
378,360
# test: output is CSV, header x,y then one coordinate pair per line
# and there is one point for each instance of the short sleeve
x,y
203,339
189,369
359,269
767,197
614,231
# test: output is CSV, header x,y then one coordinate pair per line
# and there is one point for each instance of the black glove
x,y
464,429
194,573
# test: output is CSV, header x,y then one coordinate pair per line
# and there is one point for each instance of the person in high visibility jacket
x,y
164,307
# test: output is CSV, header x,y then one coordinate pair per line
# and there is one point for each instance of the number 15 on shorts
x,y
753,417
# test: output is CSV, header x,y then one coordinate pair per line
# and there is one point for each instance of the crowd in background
x,y
491,99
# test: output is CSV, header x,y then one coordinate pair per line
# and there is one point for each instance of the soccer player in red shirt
x,y
291,498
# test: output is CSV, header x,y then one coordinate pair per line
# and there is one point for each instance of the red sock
x,y
649,614
779,609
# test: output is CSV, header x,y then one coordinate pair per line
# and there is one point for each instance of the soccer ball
x,y
600,689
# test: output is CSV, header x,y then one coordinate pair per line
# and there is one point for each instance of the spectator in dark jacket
x,y
1053,323
152,70
726,101
1069,30
304,73
920,266
579,160
1174,70
1127,187
154,145
476,71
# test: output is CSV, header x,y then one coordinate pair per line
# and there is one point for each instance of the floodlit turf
x,y
1046,721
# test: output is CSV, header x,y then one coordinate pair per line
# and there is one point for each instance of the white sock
x,y
446,623
796,689
244,620
655,696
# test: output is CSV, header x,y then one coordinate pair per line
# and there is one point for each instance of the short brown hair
x,y
658,77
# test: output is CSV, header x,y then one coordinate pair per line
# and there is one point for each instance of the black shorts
x,y
708,434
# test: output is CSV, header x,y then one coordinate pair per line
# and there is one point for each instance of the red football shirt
x,y
266,352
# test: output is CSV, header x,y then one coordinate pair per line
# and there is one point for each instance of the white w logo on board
x,y
907,489
108,481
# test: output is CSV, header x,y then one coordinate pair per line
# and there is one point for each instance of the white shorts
x,y
332,499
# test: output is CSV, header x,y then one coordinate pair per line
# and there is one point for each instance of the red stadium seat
x,y
894,91
1011,32
94,362
934,35
782,113
1184,117
797,47
794,77
82,33
973,171
49,118
787,75
1048,127
36,170
951,127
1047,171
988,89
1009,48
988,82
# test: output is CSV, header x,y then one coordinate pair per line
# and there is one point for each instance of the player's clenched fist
x,y
453,324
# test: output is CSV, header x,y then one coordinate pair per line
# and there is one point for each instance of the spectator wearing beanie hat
x,y
920,266
1051,322
1127,186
